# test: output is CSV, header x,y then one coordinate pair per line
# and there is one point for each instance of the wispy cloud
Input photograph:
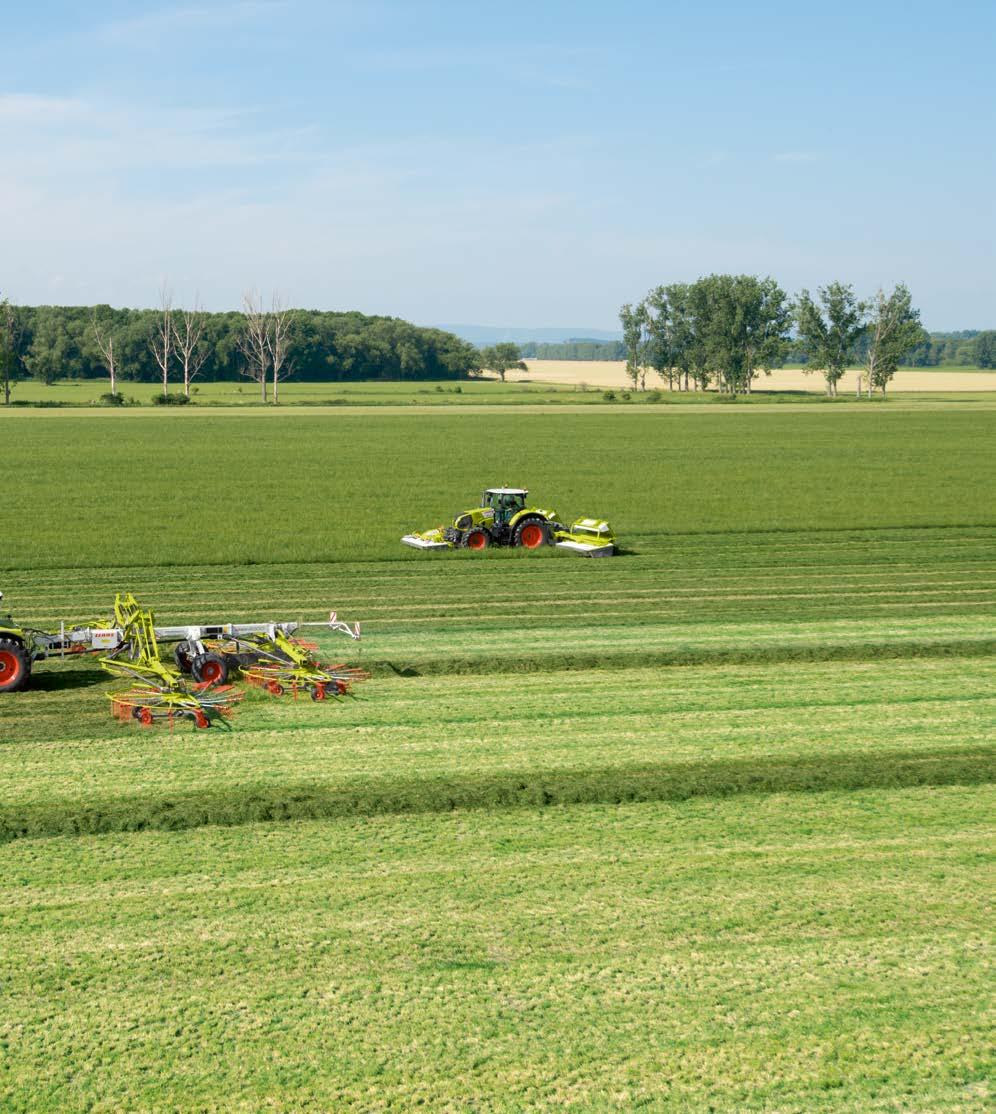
x,y
797,156
151,27
49,137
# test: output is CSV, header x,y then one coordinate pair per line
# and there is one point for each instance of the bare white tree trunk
x,y
254,343
105,346
187,335
279,335
162,339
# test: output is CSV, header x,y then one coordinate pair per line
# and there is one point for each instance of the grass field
x,y
705,826
547,383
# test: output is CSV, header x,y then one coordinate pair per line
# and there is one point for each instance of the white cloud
x,y
797,156
150,27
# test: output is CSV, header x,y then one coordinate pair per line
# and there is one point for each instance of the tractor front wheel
x,y
477,539
15,665
532,533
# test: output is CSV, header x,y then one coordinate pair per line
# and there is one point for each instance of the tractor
x,y
15,656
504,519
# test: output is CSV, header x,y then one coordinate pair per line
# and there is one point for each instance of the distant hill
x,y
494,334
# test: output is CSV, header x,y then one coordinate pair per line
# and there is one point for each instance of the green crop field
x,y
704,826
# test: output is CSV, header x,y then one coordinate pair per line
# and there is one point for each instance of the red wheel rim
x,y
477,541
200,718
10,667
319,692
145,717
211,672
532,536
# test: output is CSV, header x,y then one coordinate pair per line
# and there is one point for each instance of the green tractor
x,y
503,518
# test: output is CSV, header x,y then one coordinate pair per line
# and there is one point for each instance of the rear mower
x,y
503,519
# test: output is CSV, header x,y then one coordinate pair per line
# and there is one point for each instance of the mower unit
x,y
504,519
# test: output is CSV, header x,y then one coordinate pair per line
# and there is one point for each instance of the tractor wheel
x,y
477,539
183,657
532,533
210,668
15,665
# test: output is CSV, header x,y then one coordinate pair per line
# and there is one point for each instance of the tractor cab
x,y
505,502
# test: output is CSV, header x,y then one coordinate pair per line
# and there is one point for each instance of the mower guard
x,y
589,537
428,539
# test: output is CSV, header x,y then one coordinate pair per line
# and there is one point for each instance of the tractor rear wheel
x,y
182,656
209,668
477,539
15,665
531,533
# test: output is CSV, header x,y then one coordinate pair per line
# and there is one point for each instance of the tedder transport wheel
x,y
211,669
532,533
15,665
477,539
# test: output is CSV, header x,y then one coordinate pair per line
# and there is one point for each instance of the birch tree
x,y
893,330
279,341
103,339
828,330
254,340
162,336
188,334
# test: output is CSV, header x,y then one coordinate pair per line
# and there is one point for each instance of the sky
x,y
517,163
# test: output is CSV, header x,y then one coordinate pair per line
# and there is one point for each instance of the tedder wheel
x,y
532,534
210,668
182,656
477,539
15,665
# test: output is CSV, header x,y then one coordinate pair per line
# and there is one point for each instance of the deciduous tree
x,y
829,329
161,341
502,358
188,338
893,330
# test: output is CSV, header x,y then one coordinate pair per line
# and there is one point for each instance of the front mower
x,y
504,519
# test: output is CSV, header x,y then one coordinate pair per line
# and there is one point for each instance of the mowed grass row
x,y
199,489
438,743
762,953
792,577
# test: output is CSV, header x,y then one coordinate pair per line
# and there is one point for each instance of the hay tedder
x,y
504,519
195,685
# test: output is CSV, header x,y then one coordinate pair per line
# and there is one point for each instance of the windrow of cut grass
x,y
491,741
794,952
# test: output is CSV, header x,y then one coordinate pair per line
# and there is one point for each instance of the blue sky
x,y
514,163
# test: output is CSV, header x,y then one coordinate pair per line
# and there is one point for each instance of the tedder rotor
x,y
269,656
195,685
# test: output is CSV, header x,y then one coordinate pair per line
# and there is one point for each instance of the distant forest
x,y
959,349
61,342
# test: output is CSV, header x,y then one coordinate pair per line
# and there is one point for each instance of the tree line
x,y
175,345
723,330
579,348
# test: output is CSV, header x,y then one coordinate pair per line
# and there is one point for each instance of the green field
x,y
245,395
705,826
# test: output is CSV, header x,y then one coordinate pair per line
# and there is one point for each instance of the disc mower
x,y
504,519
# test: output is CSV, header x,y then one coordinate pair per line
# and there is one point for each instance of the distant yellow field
x,y
612,373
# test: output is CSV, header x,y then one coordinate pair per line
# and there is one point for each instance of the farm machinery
x,y
195,684
504,519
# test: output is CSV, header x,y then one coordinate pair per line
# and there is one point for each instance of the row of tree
x,y
723,330
578,348
266,343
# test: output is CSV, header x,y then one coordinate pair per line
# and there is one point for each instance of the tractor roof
x,y
506,491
